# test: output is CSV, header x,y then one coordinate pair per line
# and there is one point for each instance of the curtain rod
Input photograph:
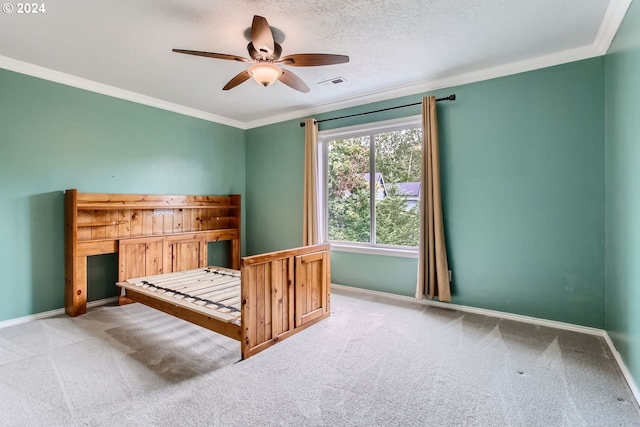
x,y
451,97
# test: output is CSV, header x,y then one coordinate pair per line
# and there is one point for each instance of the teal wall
x,y
274,171
523,187
623,190
54,137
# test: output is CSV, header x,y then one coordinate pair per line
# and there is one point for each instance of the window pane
x,y
398,160
348,189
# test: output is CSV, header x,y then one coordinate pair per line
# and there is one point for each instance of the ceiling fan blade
x,y
212,55
261,36
313,59
240,78
253,53
277,50
293,81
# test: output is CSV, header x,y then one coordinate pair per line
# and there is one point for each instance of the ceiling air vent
x,y
333,81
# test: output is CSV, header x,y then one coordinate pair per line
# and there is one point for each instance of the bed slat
x,y
141,287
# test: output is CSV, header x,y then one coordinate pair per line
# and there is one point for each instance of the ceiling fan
x,y
265,59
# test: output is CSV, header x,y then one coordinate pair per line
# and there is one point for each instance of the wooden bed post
x,y
75,271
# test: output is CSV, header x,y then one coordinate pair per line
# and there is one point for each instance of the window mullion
x,y
325,190
372,188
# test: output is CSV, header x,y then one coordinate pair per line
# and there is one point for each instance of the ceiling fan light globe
x,y
264,73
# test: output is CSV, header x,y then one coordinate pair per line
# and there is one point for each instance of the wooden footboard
x,y
282,293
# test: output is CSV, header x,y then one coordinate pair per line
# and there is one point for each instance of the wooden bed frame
x,y
281,292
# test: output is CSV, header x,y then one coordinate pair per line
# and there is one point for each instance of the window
x,y
372,185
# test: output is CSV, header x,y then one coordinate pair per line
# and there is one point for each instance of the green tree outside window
x,y
396,177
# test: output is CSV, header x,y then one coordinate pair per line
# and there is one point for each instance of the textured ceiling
x,y
395,47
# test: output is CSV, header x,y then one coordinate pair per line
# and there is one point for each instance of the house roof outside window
x,y
409,189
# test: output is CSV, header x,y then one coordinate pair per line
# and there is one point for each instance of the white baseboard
x,y
623,367
475,310
509,316
51,313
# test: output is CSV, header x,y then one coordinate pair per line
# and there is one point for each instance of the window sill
x,y
374,250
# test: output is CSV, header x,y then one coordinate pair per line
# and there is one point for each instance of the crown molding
x,y
103,89
610,23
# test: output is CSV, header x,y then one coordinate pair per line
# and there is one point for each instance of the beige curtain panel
x,y
310,221
433,268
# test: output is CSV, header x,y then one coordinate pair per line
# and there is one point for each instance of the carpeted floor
x,y
374,362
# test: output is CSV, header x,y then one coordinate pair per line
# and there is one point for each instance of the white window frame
x,y
324,137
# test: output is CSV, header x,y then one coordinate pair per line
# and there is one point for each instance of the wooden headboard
x,y
152,234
